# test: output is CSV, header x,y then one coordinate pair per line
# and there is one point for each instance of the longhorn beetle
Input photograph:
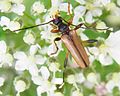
x,y
70,38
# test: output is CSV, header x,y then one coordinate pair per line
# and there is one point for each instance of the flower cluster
x,y
26,62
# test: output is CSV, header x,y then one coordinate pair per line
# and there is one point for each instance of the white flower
x,y
4,21
105,59
7,24
108,50
88,9
89,17
40,59
77,78
113,81
38,80
57,81
18,9
5,57
80,77
5,5
13,25
80,9
47,87
112,43
38,8
29,38
44,72
92,80
54,67
77,16
110,85
71,79
34,48
22,61
15,6
20,85
25,62
92,77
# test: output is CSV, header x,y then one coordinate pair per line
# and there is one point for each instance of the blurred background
x,y
28,69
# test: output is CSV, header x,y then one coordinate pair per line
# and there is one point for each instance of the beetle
x,y
70,39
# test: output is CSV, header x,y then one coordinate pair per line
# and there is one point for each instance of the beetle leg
x,y
56,39
78,26
54,30
90,43
69,7
66,59
65,64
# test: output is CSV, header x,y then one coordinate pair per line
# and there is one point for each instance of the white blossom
x,y
89,17
20,86
25,62
92,80
110,85
71,79
113,81
45,72
80,77
29,38
54,67
13,25
57,81
47,87
38,8
15,6
5,57
7,24
112,43
109,50
87,9
18,9
5,5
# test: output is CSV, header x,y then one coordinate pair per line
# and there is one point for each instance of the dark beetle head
x,y
57,21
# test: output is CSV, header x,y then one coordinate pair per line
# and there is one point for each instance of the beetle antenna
x,y
33,26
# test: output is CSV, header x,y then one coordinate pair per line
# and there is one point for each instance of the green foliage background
x,y
29,20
